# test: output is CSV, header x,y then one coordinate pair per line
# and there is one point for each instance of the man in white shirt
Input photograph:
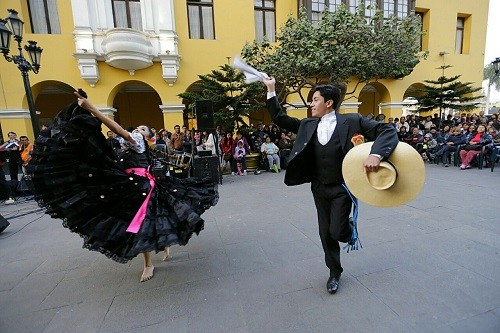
x,y
317,155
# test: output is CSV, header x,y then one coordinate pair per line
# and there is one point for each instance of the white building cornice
x,y
172,108
15,113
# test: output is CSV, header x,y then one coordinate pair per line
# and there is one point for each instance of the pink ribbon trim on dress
x,y
136,223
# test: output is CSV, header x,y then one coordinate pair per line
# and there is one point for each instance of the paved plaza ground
x,y
432,265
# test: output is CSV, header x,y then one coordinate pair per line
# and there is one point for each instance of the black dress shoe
x,y
333,284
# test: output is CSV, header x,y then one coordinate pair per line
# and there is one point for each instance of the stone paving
x,y
432,265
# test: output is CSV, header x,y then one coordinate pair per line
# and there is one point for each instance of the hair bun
x,y
82,93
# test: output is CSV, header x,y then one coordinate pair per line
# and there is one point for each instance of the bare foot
x,y
166,254
147,273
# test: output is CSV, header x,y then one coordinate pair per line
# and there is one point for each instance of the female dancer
x,y
113,202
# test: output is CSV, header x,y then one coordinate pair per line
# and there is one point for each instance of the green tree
x,y
448,93
341,47
232,98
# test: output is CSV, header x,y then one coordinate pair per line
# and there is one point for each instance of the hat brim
x,y
409,181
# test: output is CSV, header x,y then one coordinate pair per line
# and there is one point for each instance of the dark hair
x,y
329,92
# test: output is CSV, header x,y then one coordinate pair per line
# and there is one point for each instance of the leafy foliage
x,y
448,92
489,74
231,96
343,46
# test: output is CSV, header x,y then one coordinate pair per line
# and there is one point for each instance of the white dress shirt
x,y
326,127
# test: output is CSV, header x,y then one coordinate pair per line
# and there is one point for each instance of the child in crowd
x,y
239,156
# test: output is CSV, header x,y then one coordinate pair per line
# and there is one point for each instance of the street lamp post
x,y
14,26
496,65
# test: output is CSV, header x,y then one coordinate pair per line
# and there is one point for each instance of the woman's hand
x,y
84,103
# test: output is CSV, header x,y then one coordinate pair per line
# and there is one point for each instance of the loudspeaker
x,y
204,167
204,115
3,223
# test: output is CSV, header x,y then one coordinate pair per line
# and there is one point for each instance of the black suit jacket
x,y
299,169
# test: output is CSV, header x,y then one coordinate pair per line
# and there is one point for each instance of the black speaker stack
x,y
205,115
3,223
208,166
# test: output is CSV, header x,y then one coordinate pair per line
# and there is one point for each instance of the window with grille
x,y
44,17
319,6
459,37
265,20
201,19
127,14
395,8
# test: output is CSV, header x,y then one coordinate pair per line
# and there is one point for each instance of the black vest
x,y
328,160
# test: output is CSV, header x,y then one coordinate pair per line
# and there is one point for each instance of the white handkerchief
x,y
251,74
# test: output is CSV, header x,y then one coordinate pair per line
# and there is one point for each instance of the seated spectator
x,y
240,160
415,139
446,132
474,145
428,123
428,148
285,145
275,135
455,139
496,136
270,151
412,121
403,134
402,123
465,128
292,136
390,120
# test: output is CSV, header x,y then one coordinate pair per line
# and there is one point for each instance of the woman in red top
x,y
475,142
227,150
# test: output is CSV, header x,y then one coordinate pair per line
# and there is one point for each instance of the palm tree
x,y
493,80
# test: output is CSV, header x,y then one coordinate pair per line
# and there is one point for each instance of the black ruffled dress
x,y
79,178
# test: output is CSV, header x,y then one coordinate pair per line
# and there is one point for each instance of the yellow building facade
x,y
134,57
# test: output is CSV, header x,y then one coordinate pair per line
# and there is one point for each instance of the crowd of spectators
x,y
464,140
456,139
15,154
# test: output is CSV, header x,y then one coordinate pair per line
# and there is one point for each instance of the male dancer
x,y
321,145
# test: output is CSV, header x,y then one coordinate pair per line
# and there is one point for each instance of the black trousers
x,y
333,205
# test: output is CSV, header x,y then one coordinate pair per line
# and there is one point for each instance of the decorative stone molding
x,y
87,64
15,113
108,111
172,108
392,105
96,39
350,105
127,49
170,66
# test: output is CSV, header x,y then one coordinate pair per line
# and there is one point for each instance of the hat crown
x,y
383,178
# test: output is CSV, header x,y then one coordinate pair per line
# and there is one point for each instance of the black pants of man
x,y
5,190
333,205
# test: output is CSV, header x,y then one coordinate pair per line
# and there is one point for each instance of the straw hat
x,y
398,180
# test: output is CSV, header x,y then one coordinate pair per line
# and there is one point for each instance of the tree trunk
x,y
488,98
